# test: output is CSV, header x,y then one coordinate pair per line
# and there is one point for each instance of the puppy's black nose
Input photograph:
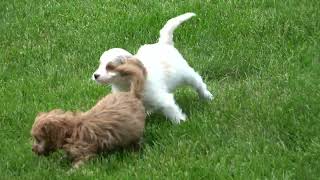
x,y
96,76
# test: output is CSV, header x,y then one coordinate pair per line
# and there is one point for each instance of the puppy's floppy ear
x,y
49,128
51,131
138,63
46,128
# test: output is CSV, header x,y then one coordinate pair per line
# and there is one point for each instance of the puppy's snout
x,y
96,76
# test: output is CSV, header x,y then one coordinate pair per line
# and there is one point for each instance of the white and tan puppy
x,y
166,70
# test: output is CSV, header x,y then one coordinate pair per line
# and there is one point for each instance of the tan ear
x,y
47,128
50,128
137,62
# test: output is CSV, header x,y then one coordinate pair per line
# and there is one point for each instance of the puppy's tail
x,y
137,73
166,33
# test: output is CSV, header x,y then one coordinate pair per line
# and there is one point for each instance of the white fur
x,y
166,69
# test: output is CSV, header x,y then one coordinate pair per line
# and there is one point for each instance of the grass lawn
x,y
261,59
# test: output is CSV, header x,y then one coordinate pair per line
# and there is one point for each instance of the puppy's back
x,y
117,120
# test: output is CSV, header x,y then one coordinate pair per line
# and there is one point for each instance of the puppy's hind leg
x,y
193,79
169,107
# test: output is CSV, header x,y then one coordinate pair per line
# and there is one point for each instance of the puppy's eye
x,y
110,66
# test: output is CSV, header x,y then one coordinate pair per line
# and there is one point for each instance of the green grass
x,y
260,58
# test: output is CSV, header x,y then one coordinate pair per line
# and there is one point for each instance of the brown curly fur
x,y
115,121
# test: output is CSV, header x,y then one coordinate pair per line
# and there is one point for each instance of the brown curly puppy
x,y
115,121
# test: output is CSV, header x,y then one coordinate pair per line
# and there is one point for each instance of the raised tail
x,y
135,70
166,33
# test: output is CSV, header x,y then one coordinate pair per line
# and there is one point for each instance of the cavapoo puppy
x,y
166,68
116,121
